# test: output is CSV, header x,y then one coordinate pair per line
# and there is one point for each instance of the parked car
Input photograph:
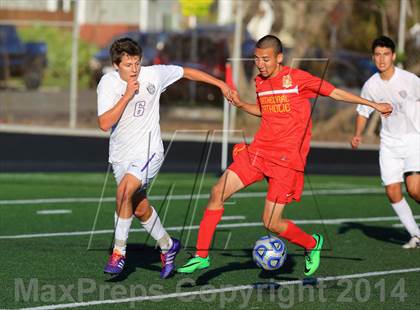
x,y
18,59
149,41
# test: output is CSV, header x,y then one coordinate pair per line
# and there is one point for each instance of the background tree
x,y
327,25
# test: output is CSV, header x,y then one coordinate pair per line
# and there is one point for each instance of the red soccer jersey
x,y
285,130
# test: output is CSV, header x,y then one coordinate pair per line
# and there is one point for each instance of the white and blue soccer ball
x,y
269,252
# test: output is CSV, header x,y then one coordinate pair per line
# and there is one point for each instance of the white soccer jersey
x,y
403,92
138,131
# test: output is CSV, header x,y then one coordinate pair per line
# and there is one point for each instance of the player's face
x,y
268,62
129,67
384,58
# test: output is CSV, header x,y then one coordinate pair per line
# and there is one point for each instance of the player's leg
x,y
123,218
226,186
285,228
286,185
145,170
412,166
403,210
392,176
412,183
242,172
124,211
394,192
151,222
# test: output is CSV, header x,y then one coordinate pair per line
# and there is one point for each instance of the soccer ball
x,y
269,252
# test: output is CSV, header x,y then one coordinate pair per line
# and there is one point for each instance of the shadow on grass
x,y
266,277
385,234
139,256
279,274
142,256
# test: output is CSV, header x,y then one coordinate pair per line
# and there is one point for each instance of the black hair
x,y
383,41
270,41
124,46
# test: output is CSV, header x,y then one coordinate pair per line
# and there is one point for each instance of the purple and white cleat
x,y
115,263
168,259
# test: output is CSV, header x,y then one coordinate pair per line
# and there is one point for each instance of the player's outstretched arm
x,y
360,126
245,106
200,76
338,94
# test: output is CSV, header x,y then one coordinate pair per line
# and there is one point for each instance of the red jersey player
x,y
278,152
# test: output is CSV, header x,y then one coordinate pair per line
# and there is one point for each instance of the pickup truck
x,y
26,60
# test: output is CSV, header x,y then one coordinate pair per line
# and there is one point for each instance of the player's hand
x,y
355,142
132,89
227,92
236,100
384,108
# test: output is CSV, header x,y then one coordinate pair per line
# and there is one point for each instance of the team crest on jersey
x,y
151,88
403,93
287,81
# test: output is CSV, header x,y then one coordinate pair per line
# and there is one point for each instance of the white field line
x,y
57,211
233,217
194,227
352,191
217,291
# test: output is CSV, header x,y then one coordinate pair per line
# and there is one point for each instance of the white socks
x,y
155,228
406,217
122,227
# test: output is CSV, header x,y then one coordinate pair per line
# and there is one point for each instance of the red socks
x,y
212,217
207,228
297,236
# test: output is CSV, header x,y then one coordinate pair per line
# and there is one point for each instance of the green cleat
x,y
313,258
195,263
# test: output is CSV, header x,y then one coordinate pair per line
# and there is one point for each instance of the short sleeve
x,y
312,85
168,74
106,96
364,110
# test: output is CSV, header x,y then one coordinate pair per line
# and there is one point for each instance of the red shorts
x,y
284,184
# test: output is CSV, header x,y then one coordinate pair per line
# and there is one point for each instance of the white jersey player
x,y
399,155
128,105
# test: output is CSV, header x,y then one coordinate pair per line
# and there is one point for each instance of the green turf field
x,y
46,263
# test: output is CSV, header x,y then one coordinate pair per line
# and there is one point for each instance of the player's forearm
x,y
360,125
249,108
342,95
200,76
111,117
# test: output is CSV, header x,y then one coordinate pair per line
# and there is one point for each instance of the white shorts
x,y
395,161
144,169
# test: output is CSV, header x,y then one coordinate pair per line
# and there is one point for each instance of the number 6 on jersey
x,y
139,108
